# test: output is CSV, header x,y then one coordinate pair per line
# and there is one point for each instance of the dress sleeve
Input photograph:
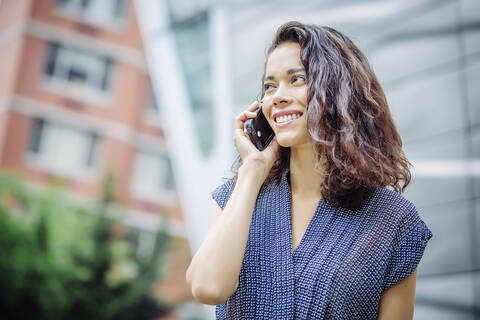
x,y
222,193
407,252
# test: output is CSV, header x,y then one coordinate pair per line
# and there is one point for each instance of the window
x,y
95,11
190,26
152,176
80,69
63,149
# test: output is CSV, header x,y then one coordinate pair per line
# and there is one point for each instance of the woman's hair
x,y
356,143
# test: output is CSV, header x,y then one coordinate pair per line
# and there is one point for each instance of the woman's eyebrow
x,y
295,70
289,71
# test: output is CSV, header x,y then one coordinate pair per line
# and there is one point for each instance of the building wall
x,y
120,116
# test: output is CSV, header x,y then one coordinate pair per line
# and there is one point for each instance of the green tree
x,y
63,261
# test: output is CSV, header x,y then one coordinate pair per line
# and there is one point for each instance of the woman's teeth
x,y
289,117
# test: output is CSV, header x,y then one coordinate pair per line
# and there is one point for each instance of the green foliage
x,y
60,261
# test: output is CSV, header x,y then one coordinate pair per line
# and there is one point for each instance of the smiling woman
x,y
314,226
285,93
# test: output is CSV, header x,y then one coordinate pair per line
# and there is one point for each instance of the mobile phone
x,y
259,130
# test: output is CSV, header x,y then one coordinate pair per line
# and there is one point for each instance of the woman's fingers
x,y
245,115
253,106
239,120
250,114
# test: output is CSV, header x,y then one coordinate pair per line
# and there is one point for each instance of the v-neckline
x,y
290,220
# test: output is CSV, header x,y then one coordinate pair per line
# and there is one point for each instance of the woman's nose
x,y
281,96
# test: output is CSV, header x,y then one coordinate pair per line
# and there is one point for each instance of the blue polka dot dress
x,y
342,265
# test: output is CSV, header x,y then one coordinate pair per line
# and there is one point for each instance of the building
x,y
76,104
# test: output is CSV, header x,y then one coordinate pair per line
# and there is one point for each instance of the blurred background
x,y
116,123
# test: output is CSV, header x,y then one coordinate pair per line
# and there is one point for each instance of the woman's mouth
x,y
283,121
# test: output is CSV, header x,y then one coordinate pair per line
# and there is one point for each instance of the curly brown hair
x,y
355,140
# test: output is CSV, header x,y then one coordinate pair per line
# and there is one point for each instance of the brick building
x,y
76,103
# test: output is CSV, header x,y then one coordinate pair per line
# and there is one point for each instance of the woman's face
x,y
285,99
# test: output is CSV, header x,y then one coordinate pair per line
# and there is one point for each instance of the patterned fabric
x,y
342,265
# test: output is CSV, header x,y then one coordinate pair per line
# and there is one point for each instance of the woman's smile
x,y
283,121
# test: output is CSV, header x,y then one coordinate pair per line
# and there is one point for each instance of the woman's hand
x,y
261,160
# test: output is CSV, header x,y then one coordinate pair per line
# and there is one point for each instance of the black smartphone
x,y
259,130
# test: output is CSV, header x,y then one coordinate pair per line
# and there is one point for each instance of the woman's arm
x,y
214,270
397,302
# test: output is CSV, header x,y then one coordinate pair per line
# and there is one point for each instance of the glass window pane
x,y
152,175
77,73
106,74
36,135
104,9
94,11
61,148
64,149
179,10
119,8
78,67
92,150
192,38
51,58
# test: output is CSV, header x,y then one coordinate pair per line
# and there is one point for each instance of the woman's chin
x,y
292,141
286,141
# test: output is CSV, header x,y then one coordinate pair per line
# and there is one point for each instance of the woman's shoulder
x,y
389,199
396,220
228,184
394,208
221,193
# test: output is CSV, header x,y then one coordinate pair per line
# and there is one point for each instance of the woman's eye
x,y
267,86
298,79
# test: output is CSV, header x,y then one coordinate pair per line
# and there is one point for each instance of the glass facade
x,y
191,31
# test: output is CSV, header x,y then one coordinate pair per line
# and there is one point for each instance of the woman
x,y
308,229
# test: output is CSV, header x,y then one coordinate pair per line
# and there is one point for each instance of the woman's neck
x,y
304,180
